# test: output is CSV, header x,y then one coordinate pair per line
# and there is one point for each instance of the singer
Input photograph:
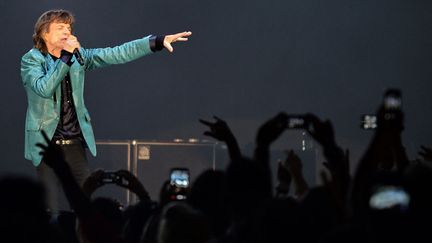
x,y
53,77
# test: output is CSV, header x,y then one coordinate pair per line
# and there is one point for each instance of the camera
x,y
296,122
368,122
111,177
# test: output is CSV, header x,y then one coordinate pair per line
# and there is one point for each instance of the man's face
x,y
57,35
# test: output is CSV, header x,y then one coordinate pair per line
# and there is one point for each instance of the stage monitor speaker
x,y
112,155
153,161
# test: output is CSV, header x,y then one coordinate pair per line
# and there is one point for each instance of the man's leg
x,y
75,156
52,186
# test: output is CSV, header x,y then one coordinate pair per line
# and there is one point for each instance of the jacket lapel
x,y
75,80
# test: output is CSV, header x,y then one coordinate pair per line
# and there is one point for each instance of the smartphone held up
x,y
180,182
296,122
391,108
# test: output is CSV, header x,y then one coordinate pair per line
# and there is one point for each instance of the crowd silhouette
x,y
385,199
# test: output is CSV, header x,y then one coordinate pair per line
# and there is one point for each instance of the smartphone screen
x,y
296,122
392,99
110,177
389,196
180,177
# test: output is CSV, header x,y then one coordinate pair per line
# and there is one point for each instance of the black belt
x,y
68,141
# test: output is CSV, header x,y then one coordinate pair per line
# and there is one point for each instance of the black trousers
x,y
75,156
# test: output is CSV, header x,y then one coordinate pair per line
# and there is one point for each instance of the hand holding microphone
x,y
72,45
78,57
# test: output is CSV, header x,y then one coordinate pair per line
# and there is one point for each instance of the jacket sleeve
x,y
37,78
129,51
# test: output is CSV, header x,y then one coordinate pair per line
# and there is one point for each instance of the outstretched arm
x,y
385,153
93,182
337,161
129,51
131,182
267,134
221,131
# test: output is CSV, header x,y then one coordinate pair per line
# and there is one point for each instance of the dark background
x,y
246,61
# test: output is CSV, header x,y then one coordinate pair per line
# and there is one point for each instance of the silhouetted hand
x,y
93,182
218,130
272,129
283,174
294,164
169,39
426,153
321,131
221,131
132,183
284,178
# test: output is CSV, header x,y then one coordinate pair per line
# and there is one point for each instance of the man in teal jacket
x,y
53,77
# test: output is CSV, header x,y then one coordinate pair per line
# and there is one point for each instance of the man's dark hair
x,y
43,23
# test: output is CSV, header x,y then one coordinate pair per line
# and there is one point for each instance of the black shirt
x,y
68,127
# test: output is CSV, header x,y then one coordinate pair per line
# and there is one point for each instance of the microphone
x,y
78,56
